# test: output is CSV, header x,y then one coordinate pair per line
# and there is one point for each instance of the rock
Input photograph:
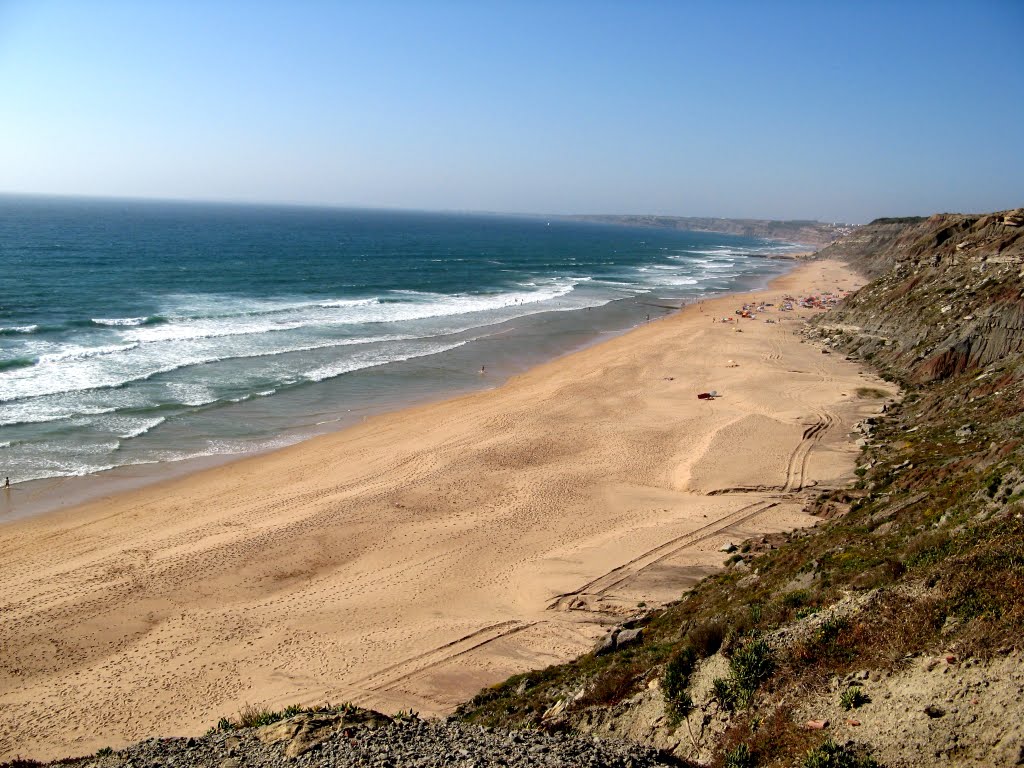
x,y
303,732
628,636
607,643
816,725
802,580
553,712
728,547
934,711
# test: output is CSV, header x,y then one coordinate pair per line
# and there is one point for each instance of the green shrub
x,y
871,393
853,697
104,751
830,629
796,598
675,681
255,716
993,485
725,692
739,756
832,755
752,664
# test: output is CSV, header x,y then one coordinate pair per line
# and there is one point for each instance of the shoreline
x,y
41,496
359,564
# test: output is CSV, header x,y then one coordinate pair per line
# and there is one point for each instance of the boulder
x,y
301,733
628,637
607,643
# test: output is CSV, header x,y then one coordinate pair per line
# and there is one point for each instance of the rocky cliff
x,y
890,633
948,294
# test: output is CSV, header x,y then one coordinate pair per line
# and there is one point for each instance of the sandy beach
x,y
411,560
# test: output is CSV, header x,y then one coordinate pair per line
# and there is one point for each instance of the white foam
x,y
269,317
36,412
79,352
372,360
120,321
143,428
348,303
19,329
78,369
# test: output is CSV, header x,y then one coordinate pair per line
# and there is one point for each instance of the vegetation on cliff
x,y
922,560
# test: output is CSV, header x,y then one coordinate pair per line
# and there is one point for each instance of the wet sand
x,y
410,560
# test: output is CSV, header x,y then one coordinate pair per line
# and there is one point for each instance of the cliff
x,y
889,634
947,295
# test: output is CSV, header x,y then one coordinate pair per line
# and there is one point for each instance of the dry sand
x,y
411,560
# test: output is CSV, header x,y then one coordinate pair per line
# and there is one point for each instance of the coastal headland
x,y
410,560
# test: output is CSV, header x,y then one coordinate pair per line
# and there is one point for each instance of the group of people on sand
x,y
822,300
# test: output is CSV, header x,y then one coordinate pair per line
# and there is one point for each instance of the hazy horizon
x,y
788,111
442,211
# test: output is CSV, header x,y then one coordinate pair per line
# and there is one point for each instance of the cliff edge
x,y
889,634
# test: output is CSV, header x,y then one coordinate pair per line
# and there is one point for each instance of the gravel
x,y
397,744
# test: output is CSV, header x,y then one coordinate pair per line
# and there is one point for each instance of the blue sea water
x,y
139,332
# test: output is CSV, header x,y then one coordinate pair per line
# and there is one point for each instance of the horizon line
x,y
397,209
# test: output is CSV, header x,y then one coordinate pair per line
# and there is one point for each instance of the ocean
x,y
138,333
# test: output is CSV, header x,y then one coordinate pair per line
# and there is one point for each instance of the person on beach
x,y
7,482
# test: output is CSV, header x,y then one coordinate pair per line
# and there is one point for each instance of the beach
x,y
408,561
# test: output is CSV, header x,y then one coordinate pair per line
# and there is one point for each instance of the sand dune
x,y
410,560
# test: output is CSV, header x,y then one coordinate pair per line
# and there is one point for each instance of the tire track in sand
x,y
605,583
389,676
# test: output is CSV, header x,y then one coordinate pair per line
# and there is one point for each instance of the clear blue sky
x,y
828,110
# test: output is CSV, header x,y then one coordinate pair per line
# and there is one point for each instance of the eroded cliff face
x,y
890,633
948,294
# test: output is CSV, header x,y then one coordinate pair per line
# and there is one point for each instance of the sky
x,y
836,111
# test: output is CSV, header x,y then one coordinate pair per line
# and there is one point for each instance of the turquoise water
x,y
139,332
